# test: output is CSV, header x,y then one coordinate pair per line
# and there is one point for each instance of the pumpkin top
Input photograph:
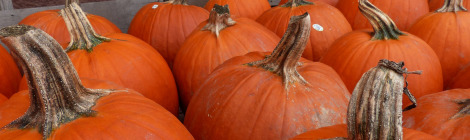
x,y
283,61
464,109
182,2
452,6
383,25
219,19
56,93
295,3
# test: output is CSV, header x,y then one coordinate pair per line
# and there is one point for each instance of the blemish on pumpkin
x,y
155,6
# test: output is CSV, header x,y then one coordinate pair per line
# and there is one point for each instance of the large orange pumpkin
x,y
214,41
2,98
60,107
9,74
52,22
403,12
262,96
461,79
445,114
165,25
436,4
446,31
251,9
356,52
330,2
122,59
327,22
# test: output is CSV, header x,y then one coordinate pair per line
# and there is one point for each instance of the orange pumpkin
x,y
165,25
60,107
262,96
251,9
436,4
9,74
122,59
461,79
356,52
2,98
445,114
326,27
214,41
403,12
330,2
445,30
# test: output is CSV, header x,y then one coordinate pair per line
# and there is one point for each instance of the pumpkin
x,y
403,12
445,30
327,22
374,111
330,2
445,114
251,9
214,41
120,58
461,79
262,96
9,73
165,25
436,4
2,98
60,107
354,53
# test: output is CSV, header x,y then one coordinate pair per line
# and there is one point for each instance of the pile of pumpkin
x,y
234,70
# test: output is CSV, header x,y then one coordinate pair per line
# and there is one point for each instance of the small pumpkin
x,y
327,22
354,53
214,41
251,9
262,96
165,25
330,2
9,74
436,4
62,108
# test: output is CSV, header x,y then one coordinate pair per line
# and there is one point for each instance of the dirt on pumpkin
x,y
20,4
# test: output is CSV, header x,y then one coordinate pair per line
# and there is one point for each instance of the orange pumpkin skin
x,y
203,51
433,115
53,24
9,74
252,103
330,2
445,33
242,8
436,4
341,130
167,26
355,53
121,115
403,12
331,19
2,98
461,79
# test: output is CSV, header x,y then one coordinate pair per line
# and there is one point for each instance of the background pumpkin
x,y
165,25
436,4
356,52
214,41
330,2
9,73
461,79
251,9
262,96
2,99
328,24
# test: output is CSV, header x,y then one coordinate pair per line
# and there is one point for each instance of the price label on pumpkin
x,y
155,6
317,27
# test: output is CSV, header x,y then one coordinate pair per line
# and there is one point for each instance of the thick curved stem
x,y
283,61
56,93
452,6
296,3
82,34
182,2
384,27
464,108
219,19
68,2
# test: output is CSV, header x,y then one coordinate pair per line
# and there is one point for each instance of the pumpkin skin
x,y
403,12
251,9
9,73
242,102
166,36
461,79
203,51
331,19
436,4
53,24
2,98
330,2
433,115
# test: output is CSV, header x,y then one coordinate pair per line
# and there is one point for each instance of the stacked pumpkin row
x,y
230,84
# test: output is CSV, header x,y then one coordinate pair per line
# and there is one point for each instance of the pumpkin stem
x,y
182,2
283,61
219,19
374,110
464,108
296,3
82,34
56,93
384,27
68,2
452,6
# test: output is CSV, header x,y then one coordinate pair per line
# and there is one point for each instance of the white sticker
x,y
155,6
317,27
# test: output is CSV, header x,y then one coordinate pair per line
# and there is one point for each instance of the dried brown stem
x,y
384,27
296,3
283,61
464,108
56,93
183,2
452,6
219,19
68,2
